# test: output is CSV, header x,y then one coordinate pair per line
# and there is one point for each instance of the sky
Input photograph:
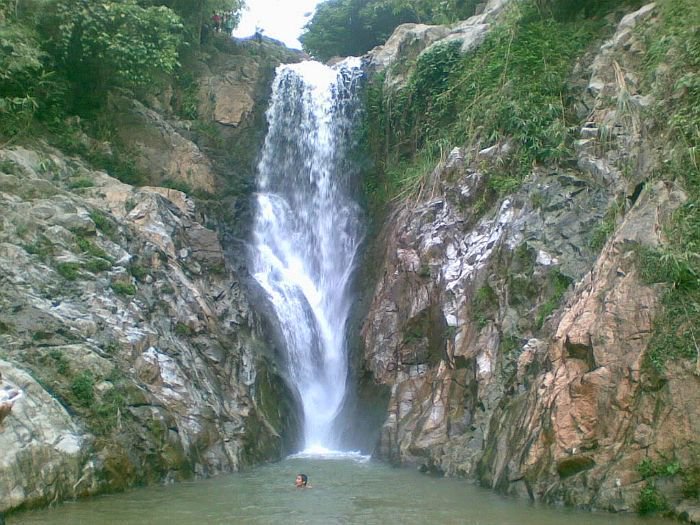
x,y
280,19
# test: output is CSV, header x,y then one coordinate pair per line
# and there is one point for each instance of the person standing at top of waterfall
x,y
302,481
216,21
229,23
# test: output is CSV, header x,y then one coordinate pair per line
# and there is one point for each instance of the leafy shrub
x,y
42,247
677,34
62,364
82,388
122,288
80,183
650,469
103,44
177,185
651,500
605,228
182,329
98,264
484,303
691,481
68,271
21,73
103,223
41,335
138,272
108,410
6,328
89,247
186,102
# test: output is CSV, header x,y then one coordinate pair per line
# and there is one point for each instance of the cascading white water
x,y
307,230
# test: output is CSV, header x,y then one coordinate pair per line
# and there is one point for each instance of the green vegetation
x,y
6,328
484,304
61,363
103,223
677,113
353,27
523,289
108,411
691,480
177,185
121,288
41,336
183,329
89,247
651,500
606,227
105,44
69,271
82,388
187,105
42,247
512,88
80,183
98,264
138,271
557,284
649,469
62,57
22,77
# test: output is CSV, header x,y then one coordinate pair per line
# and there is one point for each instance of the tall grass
x,y
673,76
512,88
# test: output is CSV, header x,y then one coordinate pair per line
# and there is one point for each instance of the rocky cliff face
x,y
512,348
129,353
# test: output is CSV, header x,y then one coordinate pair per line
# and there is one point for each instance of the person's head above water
x,y
301,481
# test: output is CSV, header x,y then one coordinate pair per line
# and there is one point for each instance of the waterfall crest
x,y
307,230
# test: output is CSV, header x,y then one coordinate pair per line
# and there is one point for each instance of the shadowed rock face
x,y
490,378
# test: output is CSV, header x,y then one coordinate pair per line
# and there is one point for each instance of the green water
x,y
344,491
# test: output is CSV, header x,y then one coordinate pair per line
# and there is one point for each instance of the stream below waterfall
x,y
347,490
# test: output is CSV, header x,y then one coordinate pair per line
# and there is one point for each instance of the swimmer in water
x,y
302,482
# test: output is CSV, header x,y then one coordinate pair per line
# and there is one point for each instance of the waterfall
x,y
307,230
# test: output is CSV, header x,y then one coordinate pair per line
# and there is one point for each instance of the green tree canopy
x,y
195,13
112,43
21,71
353,27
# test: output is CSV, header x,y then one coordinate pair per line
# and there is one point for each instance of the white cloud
x,y
280,19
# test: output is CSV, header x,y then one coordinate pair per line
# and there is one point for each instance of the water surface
x,y
344,491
